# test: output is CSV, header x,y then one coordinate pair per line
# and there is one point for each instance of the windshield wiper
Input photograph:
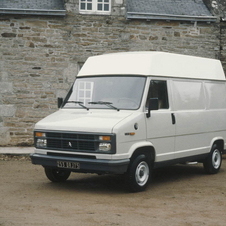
x,y
80,103
109,104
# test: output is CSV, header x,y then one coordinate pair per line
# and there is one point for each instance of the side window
x,y
158,89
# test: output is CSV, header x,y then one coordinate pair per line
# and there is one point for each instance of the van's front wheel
x,y
212,163
56,175
138,174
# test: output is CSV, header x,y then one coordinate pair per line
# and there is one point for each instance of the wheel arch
x,y
147,150
219,141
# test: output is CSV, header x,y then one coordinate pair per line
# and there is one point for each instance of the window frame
x,y
94,9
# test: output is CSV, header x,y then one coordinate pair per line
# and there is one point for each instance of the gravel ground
x,y
181,195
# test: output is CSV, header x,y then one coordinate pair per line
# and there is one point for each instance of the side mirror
x,y
153,104
59,102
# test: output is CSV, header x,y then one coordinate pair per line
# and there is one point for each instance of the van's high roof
x,y
155,64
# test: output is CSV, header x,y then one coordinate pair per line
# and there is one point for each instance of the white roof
x,y
153,64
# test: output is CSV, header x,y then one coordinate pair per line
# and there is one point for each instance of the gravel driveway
x,y
178,195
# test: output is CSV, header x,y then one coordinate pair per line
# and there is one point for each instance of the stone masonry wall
x,y
40,57
218,8
223,45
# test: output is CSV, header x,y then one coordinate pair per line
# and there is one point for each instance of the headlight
x,y
41,143
104,147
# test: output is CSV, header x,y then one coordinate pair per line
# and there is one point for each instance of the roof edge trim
x,y
149,16
33,11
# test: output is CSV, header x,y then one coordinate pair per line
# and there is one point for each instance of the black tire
x,y
57,175
138,174
212,163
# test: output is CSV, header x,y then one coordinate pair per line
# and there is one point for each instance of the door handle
x,y
173,118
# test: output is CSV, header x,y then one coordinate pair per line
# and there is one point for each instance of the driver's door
x,y
161,123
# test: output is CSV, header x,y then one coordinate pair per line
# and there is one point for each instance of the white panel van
x,y
129,113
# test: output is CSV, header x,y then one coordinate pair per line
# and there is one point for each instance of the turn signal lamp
x,y
105,138
40,134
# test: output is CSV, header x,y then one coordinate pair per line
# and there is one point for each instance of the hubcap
x,y
142,173
216,159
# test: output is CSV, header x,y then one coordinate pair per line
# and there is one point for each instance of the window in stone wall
x,y
84,92
95,6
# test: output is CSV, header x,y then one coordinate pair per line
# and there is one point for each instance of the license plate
x,y
68,165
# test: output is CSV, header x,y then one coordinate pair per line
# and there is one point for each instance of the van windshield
x,y
108,92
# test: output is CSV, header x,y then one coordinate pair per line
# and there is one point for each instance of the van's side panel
x,y
215,95
198,117
216,107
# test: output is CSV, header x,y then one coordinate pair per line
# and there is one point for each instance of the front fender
x,y
139,145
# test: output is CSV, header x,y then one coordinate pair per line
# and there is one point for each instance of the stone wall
x,y
218,8
40,56
223,45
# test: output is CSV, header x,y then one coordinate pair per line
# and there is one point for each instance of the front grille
x,y
71,142
61,142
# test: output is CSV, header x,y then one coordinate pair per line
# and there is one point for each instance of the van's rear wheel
x,y
213,162
138,174
57,175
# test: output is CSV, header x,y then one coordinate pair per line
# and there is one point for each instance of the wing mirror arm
x,y
60,101
153,104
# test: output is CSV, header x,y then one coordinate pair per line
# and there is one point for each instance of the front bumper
x,y
86,165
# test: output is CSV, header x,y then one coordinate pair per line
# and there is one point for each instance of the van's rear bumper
x,y
86,165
